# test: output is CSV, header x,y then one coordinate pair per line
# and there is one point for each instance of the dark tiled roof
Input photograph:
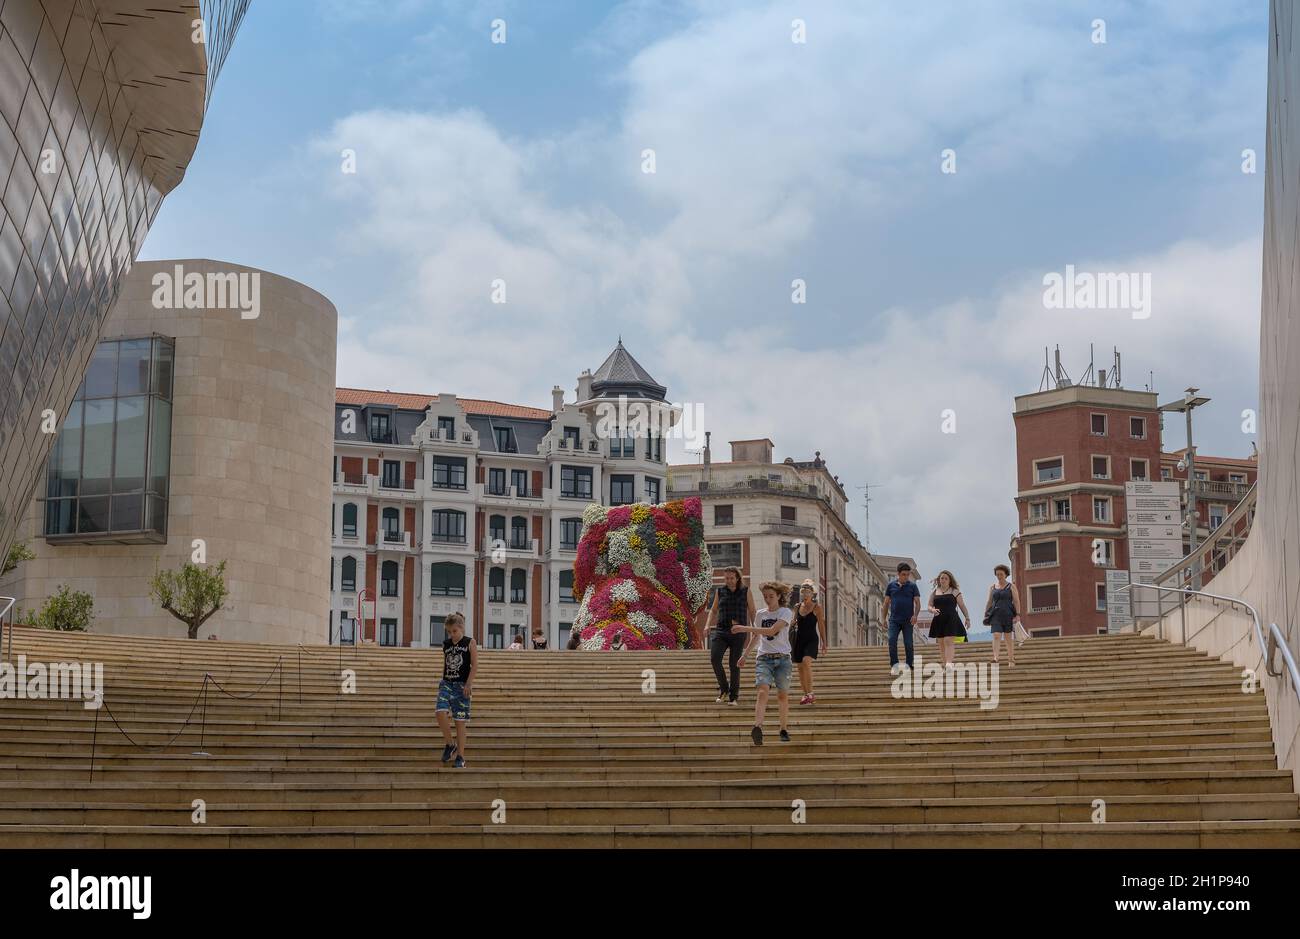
x,y
622,374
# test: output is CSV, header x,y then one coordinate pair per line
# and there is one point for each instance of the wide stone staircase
x,y
584,749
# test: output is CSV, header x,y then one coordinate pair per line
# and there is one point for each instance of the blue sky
x,y
774,160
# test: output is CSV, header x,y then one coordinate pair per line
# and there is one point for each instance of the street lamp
x,y
1189,402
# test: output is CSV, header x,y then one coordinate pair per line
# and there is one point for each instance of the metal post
x,y
94,738
1191,500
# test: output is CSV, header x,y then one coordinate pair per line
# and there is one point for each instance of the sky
x,y
918,167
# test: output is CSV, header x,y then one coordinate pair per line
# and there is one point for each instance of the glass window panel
x,y
60,517
65,461
156,519
163,355
160,447
97,460
133,367
92,515
102,372
129,447
127,512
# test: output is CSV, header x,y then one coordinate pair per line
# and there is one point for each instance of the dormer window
x,y
380,428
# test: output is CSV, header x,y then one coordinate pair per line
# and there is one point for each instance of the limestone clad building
x,y
196,426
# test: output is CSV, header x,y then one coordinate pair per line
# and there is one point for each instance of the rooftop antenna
x,y
1089,377
866,513
1062,376
1046,378
1116,374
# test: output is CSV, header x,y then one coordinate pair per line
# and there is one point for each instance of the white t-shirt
x,y
765,619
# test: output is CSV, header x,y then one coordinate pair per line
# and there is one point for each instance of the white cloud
x,y
757,139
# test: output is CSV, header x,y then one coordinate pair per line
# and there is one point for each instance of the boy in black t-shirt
x,y
459,664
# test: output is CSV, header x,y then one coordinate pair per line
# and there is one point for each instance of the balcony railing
x,y
1217,489
405,484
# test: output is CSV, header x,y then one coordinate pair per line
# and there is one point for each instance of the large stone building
x,y
200,426
445,504
786,521
100,109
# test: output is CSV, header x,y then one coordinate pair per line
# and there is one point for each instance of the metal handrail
x,y
1276,641
3,613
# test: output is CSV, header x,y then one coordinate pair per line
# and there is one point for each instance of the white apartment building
x,y
445,504
785,521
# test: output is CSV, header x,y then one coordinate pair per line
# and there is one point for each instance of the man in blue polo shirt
x,y
904,606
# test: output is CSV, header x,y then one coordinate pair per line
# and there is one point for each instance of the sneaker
x,y
447,751
733,702
719,699
460,762
894,670
812,698
785,735
757,736
806,699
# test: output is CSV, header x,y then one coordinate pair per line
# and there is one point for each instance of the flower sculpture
x,y
643,573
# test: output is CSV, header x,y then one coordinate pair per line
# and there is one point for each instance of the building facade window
x,y
1101,467
446,579
392,526
448,472
496,481
518,585
1217,514
622,490
497,585
1101,509
519,540
1101,598
392,475
380,429
497,528
572,437
109,471
1061,508
505,440
519,482
651,490
1098,425
1049,471
566,587
723,515
448,526
1044,598
1138,469
794,554
725,554
1137,428
349,520
789,513
575,482
1037,512
447,428
654,449
388,579
1103,552
388,632
348,578
570,532
496,636
1042,554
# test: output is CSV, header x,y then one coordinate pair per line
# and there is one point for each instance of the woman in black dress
x,y
945,601
808,638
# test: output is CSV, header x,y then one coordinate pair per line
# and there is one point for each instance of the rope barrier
x,y
203,724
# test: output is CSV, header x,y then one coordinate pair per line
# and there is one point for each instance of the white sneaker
x,y
895,670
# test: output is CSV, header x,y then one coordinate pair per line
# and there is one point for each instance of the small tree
x,y
191,594
67,611
18,552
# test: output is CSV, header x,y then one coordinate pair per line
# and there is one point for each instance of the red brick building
x,y
1076,447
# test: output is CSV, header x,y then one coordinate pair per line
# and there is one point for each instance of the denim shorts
x,y
773,671
451,697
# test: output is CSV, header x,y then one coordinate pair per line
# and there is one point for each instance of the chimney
x,y
708,452
584,385
557,399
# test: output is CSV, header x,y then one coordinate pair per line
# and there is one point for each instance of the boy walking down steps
x,y
459,663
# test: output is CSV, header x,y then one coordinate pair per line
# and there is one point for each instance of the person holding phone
x,y
771,632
